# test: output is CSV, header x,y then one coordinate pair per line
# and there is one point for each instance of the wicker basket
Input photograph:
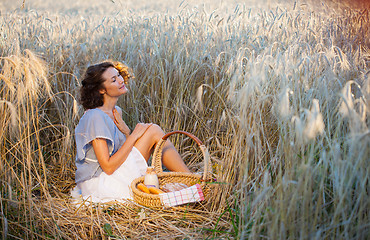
x,y
153,200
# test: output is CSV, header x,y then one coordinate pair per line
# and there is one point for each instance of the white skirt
x,y
114,187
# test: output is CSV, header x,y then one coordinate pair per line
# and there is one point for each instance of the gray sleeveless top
x,y
94,124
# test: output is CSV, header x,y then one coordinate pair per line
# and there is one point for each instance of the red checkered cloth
x,y
186,195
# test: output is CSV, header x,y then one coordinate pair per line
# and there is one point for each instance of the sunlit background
x,y
279,91
155,7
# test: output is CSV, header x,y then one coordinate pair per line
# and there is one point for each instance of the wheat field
x,y
279,92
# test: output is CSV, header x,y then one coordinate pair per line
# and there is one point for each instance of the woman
x,y
109,155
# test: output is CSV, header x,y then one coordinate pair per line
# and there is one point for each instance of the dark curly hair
x,y
92,82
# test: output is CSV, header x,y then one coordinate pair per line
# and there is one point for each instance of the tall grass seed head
x,y
346,105
309,124
199,101
314,121
284,104
355,106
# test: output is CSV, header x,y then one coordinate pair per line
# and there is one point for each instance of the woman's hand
x,y
121,125
140,129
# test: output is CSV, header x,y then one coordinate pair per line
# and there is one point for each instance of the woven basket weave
x,y
153,200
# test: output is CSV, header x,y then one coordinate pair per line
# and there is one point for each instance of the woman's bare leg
x,y
170,157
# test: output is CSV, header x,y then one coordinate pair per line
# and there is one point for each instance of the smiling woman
x,y
109,156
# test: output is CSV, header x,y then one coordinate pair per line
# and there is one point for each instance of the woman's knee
x,y
155,132
151,137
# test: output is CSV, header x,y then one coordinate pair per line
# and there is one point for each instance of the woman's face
x,y
113,85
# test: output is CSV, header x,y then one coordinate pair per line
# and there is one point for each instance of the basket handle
x,y
157,155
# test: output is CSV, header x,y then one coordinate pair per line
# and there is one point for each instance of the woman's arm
x,y
109,164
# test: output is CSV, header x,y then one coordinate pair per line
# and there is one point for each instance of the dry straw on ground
x,y
280,95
